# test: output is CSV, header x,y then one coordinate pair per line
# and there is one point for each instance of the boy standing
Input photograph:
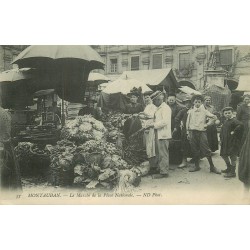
x,y
230,137
196,131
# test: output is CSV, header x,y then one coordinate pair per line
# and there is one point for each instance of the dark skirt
x,y
244,162
131,126
212,138
185,145
10,172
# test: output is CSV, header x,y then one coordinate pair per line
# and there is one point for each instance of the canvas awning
x,y
124,86
154,77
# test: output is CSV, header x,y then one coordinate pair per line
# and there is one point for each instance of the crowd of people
x,y
195,124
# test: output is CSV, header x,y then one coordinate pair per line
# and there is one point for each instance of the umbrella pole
x,y
63,108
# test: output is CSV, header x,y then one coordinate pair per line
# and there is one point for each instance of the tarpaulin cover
x,y
124,86
155,77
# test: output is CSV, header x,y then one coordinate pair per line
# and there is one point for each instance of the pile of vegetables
x,y
84,158
82,129
92,164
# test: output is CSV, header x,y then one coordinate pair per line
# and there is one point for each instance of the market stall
x,y
156,79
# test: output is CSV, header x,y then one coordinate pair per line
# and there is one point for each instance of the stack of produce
x,y
82,129
61,163
93,164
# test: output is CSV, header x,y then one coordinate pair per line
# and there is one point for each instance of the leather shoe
x,y
194,169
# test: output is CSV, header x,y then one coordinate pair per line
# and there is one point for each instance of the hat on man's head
x,y
187,98
156,94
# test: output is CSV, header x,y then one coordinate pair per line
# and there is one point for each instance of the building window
x,y
184,61
157,61
113,65
226,57
135,62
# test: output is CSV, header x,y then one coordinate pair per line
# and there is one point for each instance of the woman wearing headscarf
x,y
133,123
9,168
211,129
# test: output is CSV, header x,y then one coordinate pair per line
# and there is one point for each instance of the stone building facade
x,y
189,62
8,54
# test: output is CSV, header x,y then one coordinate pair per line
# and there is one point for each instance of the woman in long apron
x,y
147,117
132,124
9,168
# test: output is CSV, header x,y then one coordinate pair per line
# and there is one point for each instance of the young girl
x,y
230,136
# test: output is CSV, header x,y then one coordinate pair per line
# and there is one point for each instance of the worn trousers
x,y
199,144
162,154
233,159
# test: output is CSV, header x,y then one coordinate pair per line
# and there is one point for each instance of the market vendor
x,y
133,123
9,168
147,117
91,109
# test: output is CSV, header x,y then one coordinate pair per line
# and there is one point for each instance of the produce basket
x,y
38,152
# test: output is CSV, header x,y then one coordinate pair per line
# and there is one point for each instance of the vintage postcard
x,y
124,124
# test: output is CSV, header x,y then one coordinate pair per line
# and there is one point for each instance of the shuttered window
x,y
113,65
135,62
226,57
157,61
184,61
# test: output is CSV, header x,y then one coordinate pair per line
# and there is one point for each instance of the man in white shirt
x,y
162,126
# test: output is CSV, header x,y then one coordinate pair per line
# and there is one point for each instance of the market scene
x,y
125,119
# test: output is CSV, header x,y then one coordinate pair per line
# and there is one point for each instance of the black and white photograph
x,y
125,124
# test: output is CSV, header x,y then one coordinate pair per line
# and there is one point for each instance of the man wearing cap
x,y
162,126
180,123
175,108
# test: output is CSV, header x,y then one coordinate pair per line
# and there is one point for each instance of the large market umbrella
x,y
15,91
64,68
124,86
39,55
97,77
